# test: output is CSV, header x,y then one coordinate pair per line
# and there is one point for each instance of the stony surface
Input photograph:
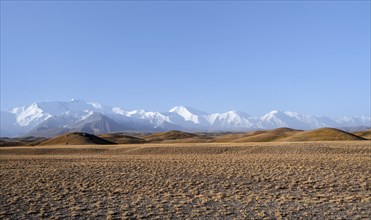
x,y
317,180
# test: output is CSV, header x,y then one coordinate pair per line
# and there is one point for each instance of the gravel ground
x,y
316,180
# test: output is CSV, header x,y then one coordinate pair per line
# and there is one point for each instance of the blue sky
x,y
311,57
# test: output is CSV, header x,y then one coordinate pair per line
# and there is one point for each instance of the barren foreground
x,y
322,180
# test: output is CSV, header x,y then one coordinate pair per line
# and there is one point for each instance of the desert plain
x,y
277,180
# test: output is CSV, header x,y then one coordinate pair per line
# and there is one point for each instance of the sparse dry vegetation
x,y
322,180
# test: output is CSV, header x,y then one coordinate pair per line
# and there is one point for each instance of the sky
x,y
311,57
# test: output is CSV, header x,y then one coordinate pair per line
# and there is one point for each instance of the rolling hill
x,y
267,136
258,136
174,136
323,134
122,138
365,134
22,141
76,138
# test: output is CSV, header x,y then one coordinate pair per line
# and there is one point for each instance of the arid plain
x,y
275,180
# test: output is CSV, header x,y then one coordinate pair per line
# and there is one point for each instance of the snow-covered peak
x,y
298,116
178,108
136,112
20,120
230,115
187,114
231,119
118,110
238,114
30,115
95,105
292,114
276,119
189,109
271,114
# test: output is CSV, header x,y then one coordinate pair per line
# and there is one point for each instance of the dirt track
x,y
227,181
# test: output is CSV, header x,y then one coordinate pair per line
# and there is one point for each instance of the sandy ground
x,y
317,180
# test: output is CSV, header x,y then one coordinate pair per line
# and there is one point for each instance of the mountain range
x,y
51,118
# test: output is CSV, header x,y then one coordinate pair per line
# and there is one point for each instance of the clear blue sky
x,y
311,57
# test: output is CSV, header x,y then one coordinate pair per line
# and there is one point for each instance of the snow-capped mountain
x,y
55,117
188,117
277,118
232,120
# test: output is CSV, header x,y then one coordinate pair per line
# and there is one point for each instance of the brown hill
x,y
120,138
271,135
174,136
76,138
21,141
365,134
259,136
232,137
323,134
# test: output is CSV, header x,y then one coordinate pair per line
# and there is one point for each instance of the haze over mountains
x,y
47,119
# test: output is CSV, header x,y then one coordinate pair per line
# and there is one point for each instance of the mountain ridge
x,y
52,118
